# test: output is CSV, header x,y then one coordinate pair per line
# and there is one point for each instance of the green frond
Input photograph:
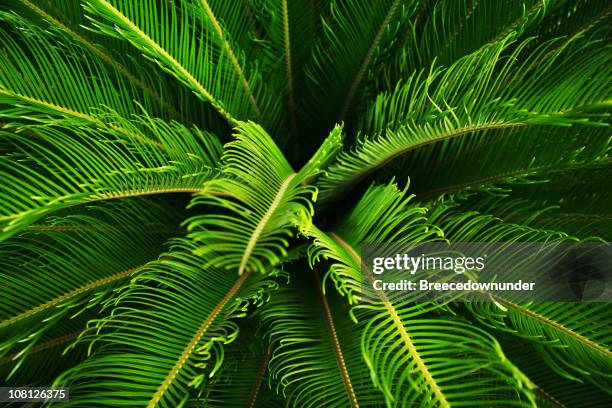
x,y
51,273
243,378
406,364
325,154
46,360
447,119
546,152
165,334
197,58
315,355
571,18
461,225
141,260
31,90
234,30
47,168
570,201
254,204
354,34
64,18
453,29
574,338
286,42
552,390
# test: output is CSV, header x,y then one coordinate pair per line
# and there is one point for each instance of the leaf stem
x,y
262,223
85,288
195,340
397,321
329,321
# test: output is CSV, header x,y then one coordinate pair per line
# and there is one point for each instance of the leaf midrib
x,y
331,328
263,366
57,341
155,46
105,57
68,295
550,169
557,326
114,196
442,137
71,112
230,52
288,63
366,61
186,354
262,223
400,326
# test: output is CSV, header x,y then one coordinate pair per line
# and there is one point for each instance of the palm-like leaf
x,y
56,169
156,303
573,338
65,19
234,97
552,391
111,117
63,275
407,364
476,96
30,90
355,34
243,376
315,357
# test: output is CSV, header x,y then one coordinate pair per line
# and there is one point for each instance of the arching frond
x,y
52,273
67,24
553,391
287,41
410,367
47,168
574,338
570,18
205,61
519,99
132,243
258,198
315,356
545,152
570,201
30,90
46,360
355,33
404,224
452,29
167,327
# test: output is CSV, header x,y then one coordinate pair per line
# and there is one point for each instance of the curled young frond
x,y
255,202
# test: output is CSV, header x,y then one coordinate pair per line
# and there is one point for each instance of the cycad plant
x,y
186,186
